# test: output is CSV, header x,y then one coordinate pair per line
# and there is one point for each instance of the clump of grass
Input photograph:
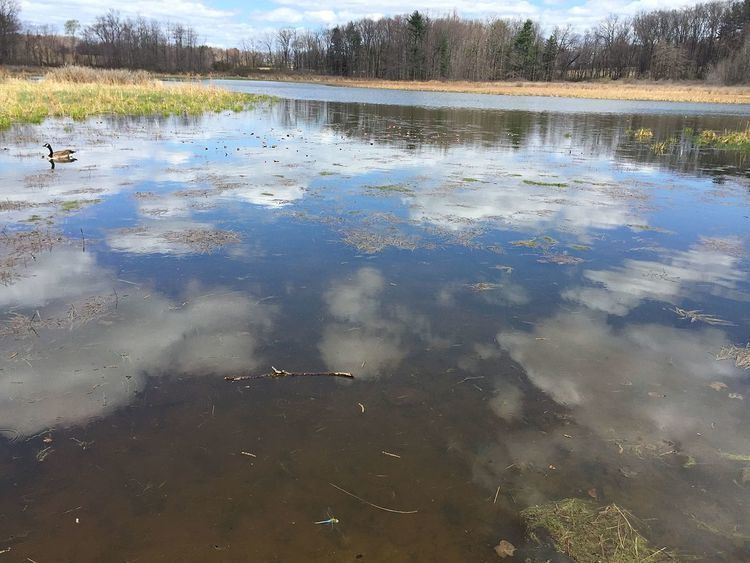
x,y
373,243
740,355
585,532
738,140
643,134
76,204
544,242
548,184
202,240
23,101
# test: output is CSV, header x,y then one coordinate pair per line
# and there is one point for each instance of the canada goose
x,y
66,154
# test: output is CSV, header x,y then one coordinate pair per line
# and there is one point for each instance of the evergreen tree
x,y
524,48
417,27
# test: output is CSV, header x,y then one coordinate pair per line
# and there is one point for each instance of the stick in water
x,y
367,502
283,373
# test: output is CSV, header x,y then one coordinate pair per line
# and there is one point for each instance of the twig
x,y
497,492
390,454
276,373
372,504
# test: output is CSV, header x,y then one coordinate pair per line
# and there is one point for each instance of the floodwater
x,y
531,303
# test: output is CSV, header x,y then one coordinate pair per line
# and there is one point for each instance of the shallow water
x,y
514,292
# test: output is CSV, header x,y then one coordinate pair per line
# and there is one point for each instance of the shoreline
x,y
690,92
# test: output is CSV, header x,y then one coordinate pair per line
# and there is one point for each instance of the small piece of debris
x,y
505,549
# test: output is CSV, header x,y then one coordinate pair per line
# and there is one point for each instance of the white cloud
x,y
65,377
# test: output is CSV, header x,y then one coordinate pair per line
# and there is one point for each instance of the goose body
x,y
66,154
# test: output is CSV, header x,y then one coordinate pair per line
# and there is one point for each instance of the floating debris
x,y
390,188
202,240
483,286
562,259
278,373
728,246
372,243
741,356
585,532
696,315
18,248
505,549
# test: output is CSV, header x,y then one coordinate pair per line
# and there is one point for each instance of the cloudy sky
x,y
229,22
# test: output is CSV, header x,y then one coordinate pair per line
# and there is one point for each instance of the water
x,y
512,290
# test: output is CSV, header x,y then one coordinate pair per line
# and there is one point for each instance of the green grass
x,y
23,101
548,184
76,204
735,140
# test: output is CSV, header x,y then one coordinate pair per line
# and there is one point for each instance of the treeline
x,y
705,41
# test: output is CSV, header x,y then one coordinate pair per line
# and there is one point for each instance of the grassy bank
x,y
81,93
619,90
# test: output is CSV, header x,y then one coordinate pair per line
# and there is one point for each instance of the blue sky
x,y
230,22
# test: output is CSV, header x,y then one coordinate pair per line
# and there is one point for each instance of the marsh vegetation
x,y
81,92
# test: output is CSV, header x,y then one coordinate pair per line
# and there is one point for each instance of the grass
x,y
643,134
391,188
81,93
76,204
605,90
738,140
585,532
548,184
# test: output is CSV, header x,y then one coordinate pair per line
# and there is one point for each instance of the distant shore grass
x,y
606,90
80,93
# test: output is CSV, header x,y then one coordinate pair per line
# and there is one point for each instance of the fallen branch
x,y
275,373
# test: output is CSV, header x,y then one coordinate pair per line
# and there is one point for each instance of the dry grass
x,y
373,243
612,90
585,532
88,75
71,93
741,356
19,248
202,240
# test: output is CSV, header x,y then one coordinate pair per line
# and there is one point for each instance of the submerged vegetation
x,y
82,92
585,532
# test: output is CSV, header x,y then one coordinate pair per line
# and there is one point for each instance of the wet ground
x,y
533,305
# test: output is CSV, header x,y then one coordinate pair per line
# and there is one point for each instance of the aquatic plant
x,y
643,134
548,184
585,532
24,101
736,140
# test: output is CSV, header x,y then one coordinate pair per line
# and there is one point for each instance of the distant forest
x,y
708,41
